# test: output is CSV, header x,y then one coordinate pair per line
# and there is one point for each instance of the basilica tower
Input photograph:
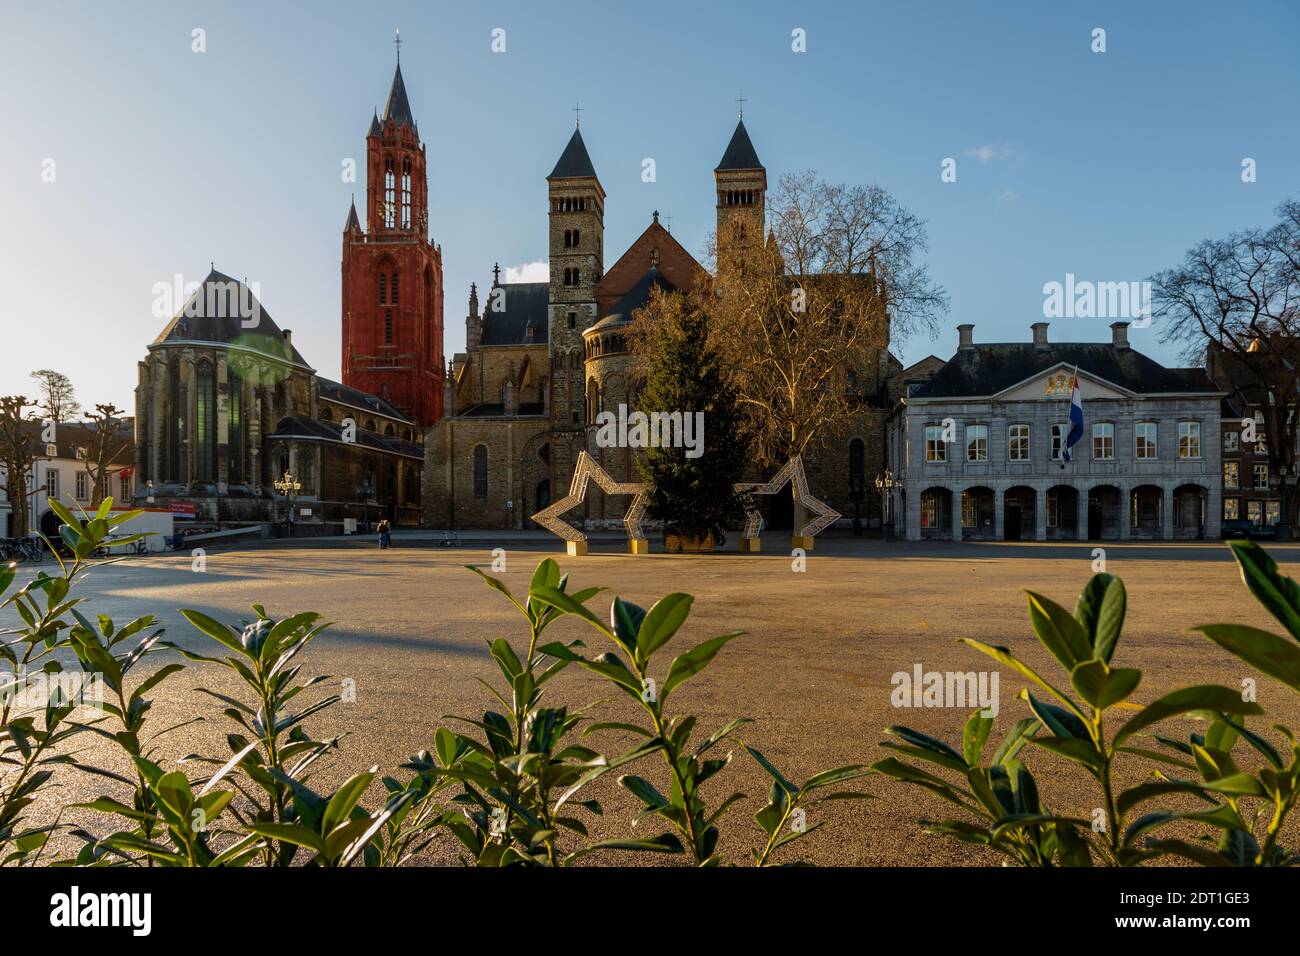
x,y
741,183
392,271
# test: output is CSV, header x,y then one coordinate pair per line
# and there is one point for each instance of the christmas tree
x,y
693,486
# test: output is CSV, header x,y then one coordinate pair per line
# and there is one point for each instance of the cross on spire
x,y
397,42
741,100
577,115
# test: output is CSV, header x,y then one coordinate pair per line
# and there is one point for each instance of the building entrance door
x,y
1094,519
1011,521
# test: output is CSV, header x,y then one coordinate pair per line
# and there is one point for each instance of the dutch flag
x,y
1076,416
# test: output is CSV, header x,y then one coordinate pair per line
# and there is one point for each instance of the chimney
x,y
1119,335
288,338
965,337
1040,334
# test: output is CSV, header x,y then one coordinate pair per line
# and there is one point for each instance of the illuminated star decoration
x,y
587,469
823,514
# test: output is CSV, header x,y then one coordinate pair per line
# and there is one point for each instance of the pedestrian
x,y
385,534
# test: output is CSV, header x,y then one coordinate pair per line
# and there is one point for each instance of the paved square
x,y
410,626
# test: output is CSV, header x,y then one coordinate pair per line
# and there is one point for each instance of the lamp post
x,y
288,486
366,491
885,485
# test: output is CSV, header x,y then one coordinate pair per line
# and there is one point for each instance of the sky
x,y
129,159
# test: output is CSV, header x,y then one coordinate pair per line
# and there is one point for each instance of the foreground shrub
x,y
1003,796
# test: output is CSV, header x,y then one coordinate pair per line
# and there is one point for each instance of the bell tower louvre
x,y
392,272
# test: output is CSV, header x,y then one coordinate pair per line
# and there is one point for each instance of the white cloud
x,y
539,271
988,152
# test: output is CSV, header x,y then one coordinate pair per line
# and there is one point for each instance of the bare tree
x,y
17,458
1237,301
804,318
59,398
105,444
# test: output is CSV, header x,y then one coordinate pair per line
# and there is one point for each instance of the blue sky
x,y
1108,166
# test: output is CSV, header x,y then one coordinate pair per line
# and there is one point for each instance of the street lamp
x,y
885,485
288,486
367,491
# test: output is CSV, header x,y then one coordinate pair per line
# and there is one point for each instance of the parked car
x,y
1237,528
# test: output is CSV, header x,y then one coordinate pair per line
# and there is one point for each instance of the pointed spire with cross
x,y
741,100
397,42
577,115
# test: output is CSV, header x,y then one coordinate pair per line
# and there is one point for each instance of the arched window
x,y
390,198
480,471
388,430
392,298
577,239
370,424
326,415
235,427
388,326
406,197
406,434
593,401
857,464
205,424
383,289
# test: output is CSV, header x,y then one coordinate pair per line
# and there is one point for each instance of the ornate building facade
x,y
544,359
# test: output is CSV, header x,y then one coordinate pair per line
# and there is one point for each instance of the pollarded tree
x,y
17,456
682,372
106,443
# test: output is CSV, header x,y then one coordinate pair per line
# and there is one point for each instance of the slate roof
x,y
398,108
69,436
740,152
574,162
621,312
375,128
353,222
347,395
232,304
988,369
300,426
523,320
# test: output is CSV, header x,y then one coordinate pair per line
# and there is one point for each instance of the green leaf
x,y
664,843
565,603
216,630
1275,656
687,665
1102,687
1205,697
1100,613
345,799
625,620
775,774
1278,593
1058,631
661,623
974,736
1005,656
289,833
829,778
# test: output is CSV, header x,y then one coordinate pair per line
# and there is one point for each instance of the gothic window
x,y
480,471
576,238
370,424
204,426
593,401
383,288
388,430
392,297
390,199
573,319
388,326
326,415
235,428
406,194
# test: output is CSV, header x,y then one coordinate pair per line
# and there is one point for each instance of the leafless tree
x,y
106,443
1237,300
58,397
804,317
17,457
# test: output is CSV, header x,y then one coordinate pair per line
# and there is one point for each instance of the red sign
x,y
181,508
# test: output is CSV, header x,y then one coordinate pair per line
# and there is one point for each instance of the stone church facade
x,y
226,405
544,359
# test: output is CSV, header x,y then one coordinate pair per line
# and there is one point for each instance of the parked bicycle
x,y
21,549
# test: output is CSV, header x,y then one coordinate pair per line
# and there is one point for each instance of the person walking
x,y
385,534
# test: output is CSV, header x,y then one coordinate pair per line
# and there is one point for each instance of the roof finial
x,y
496,274
577,117
741,100
397,42
656,215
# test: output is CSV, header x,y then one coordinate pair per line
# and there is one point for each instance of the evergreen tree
x,y
683,372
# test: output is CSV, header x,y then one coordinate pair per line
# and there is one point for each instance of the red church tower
x,y
392,272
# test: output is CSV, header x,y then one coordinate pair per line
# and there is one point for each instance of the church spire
x,y
574,162
398,108
354,223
